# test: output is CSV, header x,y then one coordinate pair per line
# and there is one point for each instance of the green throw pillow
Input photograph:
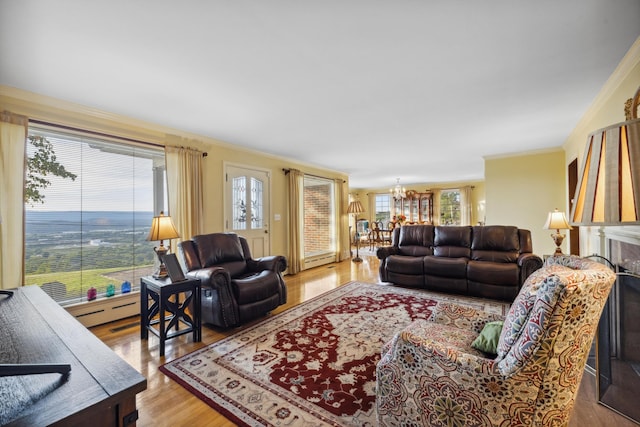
x,y
487,341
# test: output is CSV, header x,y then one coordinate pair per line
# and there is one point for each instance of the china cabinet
x,y
416,206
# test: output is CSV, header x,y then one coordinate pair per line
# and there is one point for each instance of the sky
x,y
107,181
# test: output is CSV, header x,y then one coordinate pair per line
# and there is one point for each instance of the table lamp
x,y
557,221
162,228
355,207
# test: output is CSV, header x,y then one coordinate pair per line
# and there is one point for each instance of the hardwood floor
x,y
165,403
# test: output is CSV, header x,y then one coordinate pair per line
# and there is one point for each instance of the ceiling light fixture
x,y
398,191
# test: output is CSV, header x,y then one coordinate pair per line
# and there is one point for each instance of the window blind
x,y
86,238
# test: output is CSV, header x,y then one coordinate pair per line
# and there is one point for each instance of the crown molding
x,y
622,72
57,111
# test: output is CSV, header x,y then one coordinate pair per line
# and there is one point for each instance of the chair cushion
x,y
454,268
405,264
255,287
447,336
487,341
521,309
218,248
495,273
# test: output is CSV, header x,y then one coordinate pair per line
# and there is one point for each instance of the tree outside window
x,y
383,208
450,207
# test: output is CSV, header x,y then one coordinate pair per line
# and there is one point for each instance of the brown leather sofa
x,y
484,261
235,287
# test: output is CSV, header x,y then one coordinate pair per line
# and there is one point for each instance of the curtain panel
x,y
465,205
296,222
342,221
13,137
184,185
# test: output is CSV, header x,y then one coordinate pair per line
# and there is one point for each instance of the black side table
x,y
160,292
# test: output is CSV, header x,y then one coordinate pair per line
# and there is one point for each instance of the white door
x,y
247,206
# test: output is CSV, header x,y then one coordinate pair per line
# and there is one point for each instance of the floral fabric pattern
x,y
429,375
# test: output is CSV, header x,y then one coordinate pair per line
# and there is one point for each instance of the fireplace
x,y
618,343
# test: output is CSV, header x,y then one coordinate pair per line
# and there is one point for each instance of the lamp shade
x,y
162,228
608,189
557,221
355,207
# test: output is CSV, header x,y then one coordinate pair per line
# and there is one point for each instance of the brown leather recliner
x,y
235,287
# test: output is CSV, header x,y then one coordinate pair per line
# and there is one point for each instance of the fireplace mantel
x,y
618,363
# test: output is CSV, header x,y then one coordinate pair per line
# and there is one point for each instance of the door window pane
x,y
239,203
248,205
256,203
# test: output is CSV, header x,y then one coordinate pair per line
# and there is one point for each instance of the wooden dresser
x,y
99,391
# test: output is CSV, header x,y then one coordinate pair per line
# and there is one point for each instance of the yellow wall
x,y
522,189
56,111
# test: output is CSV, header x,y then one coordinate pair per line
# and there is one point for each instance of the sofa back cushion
x,y
416,240
526,245
495,243
218,248
452,241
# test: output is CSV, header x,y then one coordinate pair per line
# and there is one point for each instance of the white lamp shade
x,y
557,221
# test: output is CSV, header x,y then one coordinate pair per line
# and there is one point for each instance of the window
x,y
383,208
247,203
90,232
319,223
450,207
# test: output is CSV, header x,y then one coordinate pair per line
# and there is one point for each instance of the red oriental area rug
x,y
312,365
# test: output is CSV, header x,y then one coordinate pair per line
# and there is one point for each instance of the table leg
x,y
197,335
163,333
144,313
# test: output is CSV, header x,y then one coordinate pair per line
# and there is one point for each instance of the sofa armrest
x,y
528,263
277,263
462,317
384,251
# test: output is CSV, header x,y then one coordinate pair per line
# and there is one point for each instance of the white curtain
x,y
436,207
465,205
296,221
186,197
342,222
13,137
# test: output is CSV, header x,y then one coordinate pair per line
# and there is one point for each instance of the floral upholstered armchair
x,y
430,374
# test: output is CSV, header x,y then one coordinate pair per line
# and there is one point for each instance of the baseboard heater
x,y
319,260
105,310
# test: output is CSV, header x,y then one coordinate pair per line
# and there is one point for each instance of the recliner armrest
x,y
277,263
214,277
528,263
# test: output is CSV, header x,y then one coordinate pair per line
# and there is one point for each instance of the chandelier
x,y
398,192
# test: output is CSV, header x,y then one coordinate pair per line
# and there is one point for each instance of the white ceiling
x,y
415,89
